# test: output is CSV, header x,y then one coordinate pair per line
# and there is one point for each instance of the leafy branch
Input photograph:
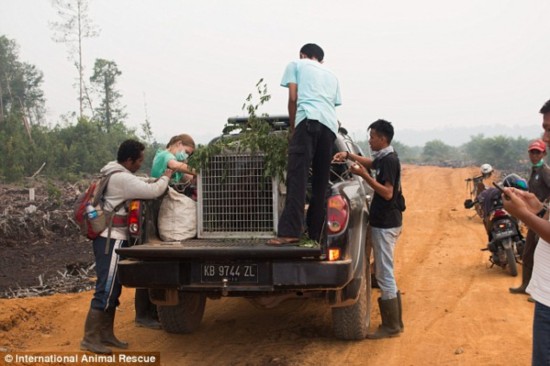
x,y
255,136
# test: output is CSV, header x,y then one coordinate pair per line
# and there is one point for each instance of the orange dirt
x,y
457,310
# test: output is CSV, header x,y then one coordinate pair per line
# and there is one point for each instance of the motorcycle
x,y
506,242
475,186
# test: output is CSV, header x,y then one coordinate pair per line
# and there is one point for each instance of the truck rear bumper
x,y
271,275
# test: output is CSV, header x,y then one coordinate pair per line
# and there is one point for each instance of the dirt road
x,y
457,311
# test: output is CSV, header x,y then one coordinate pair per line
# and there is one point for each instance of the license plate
x,y
504,234
233,273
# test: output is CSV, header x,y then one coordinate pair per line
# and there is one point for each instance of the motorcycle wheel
x,y
511,259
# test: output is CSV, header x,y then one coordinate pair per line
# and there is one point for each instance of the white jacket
x,y
126,186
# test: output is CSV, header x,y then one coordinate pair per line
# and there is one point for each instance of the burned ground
x,y
41,249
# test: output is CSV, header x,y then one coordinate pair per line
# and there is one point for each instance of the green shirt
x,y
160,164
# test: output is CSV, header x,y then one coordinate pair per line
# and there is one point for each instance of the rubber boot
x,y
92,333
525,278
400,312
389,311
107,332
145,310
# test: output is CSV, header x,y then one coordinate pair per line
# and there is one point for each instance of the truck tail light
x,y
134,214
337,214
333,254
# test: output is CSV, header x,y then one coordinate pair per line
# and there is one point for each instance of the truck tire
x,y
352,322
186,316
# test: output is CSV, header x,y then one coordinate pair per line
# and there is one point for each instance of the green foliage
x,y
110,110
438,151
15,149
54,194
503,153
407,154
499,151
256,136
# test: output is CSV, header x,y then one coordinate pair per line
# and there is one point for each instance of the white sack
x,y
177,217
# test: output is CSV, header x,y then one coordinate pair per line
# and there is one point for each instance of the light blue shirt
x,y
318,92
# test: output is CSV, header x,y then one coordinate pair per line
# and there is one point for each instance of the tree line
x,y
81,145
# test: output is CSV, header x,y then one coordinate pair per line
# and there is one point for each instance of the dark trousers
x,y
528,255
107,286
145,309
311,146
541,335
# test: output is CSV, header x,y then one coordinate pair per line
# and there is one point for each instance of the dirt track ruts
x,y
457,311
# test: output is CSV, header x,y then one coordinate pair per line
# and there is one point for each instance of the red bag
x,y
92,227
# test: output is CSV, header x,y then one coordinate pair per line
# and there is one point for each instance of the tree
x,y
75,25
110,111
146,128
437,151
499,151
20,85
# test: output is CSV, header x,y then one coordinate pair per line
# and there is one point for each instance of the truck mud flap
x,y
155,274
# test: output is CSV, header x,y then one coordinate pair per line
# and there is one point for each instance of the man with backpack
x,y
122,186
386,219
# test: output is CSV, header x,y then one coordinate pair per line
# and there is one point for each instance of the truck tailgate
x,y
226,249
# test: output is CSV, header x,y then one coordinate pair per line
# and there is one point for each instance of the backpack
x,y
401,201
92,227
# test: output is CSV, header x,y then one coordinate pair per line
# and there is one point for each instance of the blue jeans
x,y
107,286
383,245
541,335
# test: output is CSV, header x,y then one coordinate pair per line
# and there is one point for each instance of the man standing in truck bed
x,y
313,94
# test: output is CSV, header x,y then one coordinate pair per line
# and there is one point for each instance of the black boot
x,y
525,278
400,311
145,310
389,311
92,333
107,333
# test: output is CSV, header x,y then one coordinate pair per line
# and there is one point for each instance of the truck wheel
x,y
352,322
186,316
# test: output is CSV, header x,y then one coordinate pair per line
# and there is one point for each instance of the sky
x,y
189,65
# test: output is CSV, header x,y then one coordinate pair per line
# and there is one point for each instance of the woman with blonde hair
x,y
174,157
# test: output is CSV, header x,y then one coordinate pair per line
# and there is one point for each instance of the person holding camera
x,y
527,207
539,185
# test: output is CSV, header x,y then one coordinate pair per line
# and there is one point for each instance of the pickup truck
x,y
236,214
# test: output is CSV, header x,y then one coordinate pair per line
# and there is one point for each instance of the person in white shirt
x,y
528,208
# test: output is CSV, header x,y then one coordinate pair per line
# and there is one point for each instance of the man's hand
x,y
340,156
520,203
168,173
358,169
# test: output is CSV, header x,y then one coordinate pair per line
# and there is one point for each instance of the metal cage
x,y
235,199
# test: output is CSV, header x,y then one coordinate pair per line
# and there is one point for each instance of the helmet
x,y
486,169
515,181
